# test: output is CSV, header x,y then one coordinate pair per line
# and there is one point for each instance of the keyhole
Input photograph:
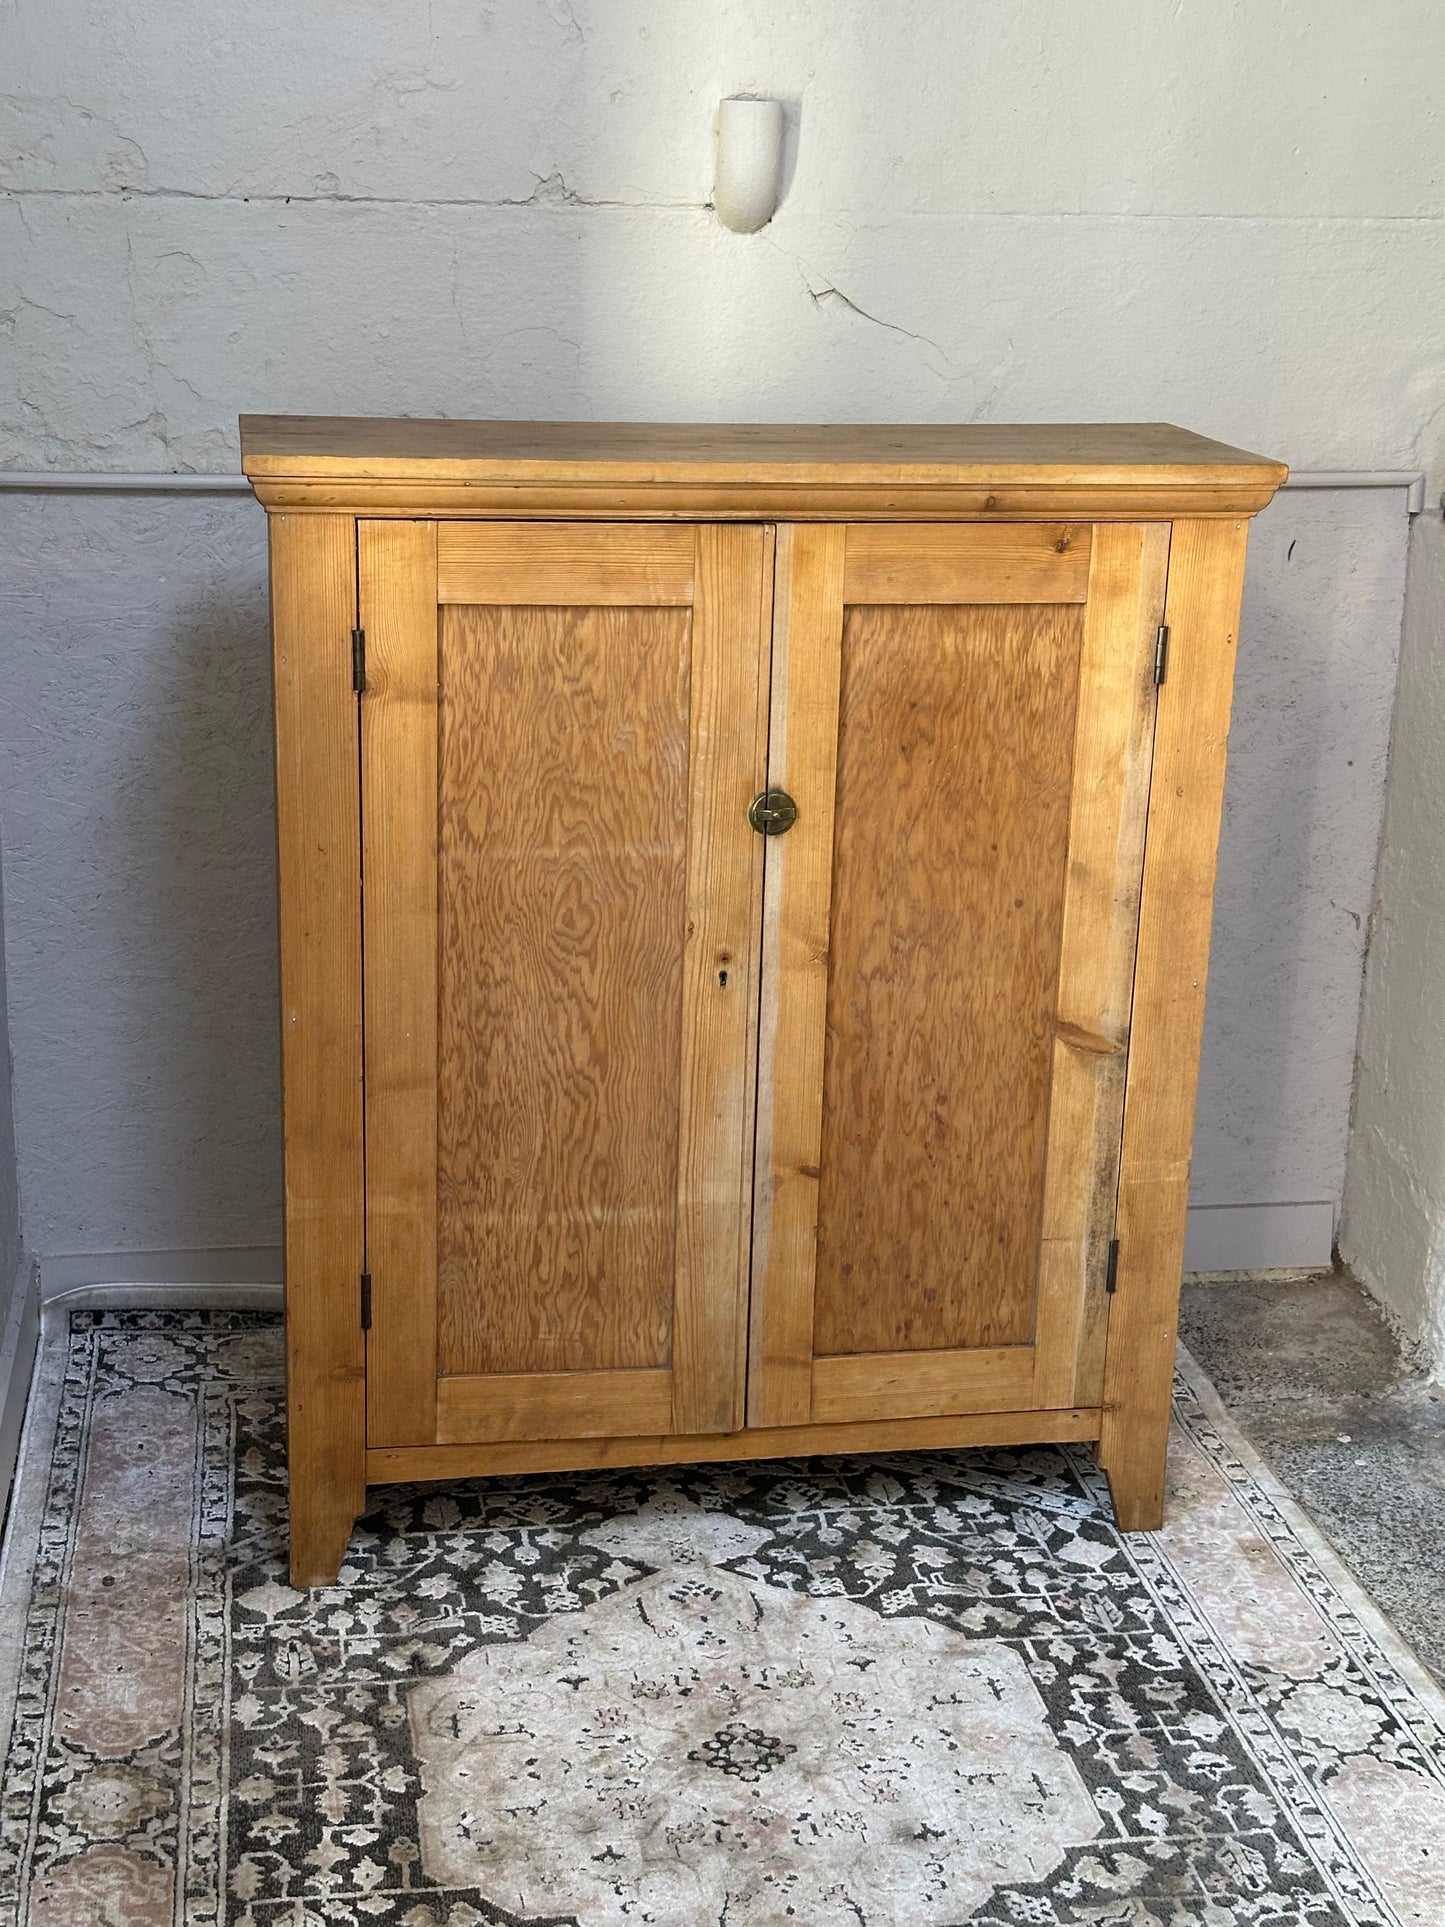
x,y
722,980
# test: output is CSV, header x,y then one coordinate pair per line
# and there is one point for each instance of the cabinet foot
x,y
1136,1484
1135,1510
320,1534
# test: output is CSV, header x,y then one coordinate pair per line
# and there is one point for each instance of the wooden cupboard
x,y
745,900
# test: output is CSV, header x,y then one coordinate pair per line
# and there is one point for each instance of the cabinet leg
x,y
313,615
1135,1464
321,1523
325,1451
325,1438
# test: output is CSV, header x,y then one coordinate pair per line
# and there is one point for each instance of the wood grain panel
x,y
726,767
955,748
1206,575
564,802
559,564
396,567
313,603
802,748
388,1467
1113,744
882,1385
1012,562
551,1405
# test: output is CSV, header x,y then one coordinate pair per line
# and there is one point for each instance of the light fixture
x,y
749,162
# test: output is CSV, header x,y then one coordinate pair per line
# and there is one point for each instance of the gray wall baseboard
x,y
1260,1237
44,1295
223,1265
161,1297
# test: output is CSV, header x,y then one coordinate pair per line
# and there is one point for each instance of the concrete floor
x,y
1315,1378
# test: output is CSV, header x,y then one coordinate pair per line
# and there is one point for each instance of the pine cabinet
x,y
745,899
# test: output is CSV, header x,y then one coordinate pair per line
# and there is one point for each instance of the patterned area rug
x,y
904,1692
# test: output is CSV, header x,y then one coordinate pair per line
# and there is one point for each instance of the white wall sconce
x,y
749,163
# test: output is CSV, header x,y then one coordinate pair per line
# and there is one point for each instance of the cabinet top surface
x,y
403,465
362,445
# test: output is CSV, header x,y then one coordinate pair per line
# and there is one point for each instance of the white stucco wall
x,y
1394,1222
1213,211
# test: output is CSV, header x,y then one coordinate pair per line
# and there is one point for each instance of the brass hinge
x,y
1161,653
358,660
366,1301
1111,1273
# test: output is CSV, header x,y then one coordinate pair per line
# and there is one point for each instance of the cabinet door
x,y
561,732
964,717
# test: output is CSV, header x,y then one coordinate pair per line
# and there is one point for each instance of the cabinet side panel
x,y
563,843
313,603
1206,574
955,750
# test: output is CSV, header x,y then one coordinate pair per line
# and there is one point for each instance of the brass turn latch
x,y
772,812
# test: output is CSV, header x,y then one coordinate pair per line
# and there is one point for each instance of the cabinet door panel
x,y
559,1018
955,752
944,1190
558,1241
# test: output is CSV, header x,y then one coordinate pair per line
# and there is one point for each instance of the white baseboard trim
x,y
218,1266
1260,1237
18,1344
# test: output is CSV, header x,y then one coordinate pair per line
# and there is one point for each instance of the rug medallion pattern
x,y
905,1692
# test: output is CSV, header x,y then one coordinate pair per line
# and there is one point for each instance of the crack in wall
x,y
563,14
156,422
456,293
553,190
822,292
819,296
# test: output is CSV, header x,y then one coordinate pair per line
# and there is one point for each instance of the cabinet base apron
x,y
393,1465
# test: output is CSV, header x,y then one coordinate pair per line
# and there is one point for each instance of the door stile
x,y
1109,801
797,901
726,767
747,1176
397,575
1206,579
